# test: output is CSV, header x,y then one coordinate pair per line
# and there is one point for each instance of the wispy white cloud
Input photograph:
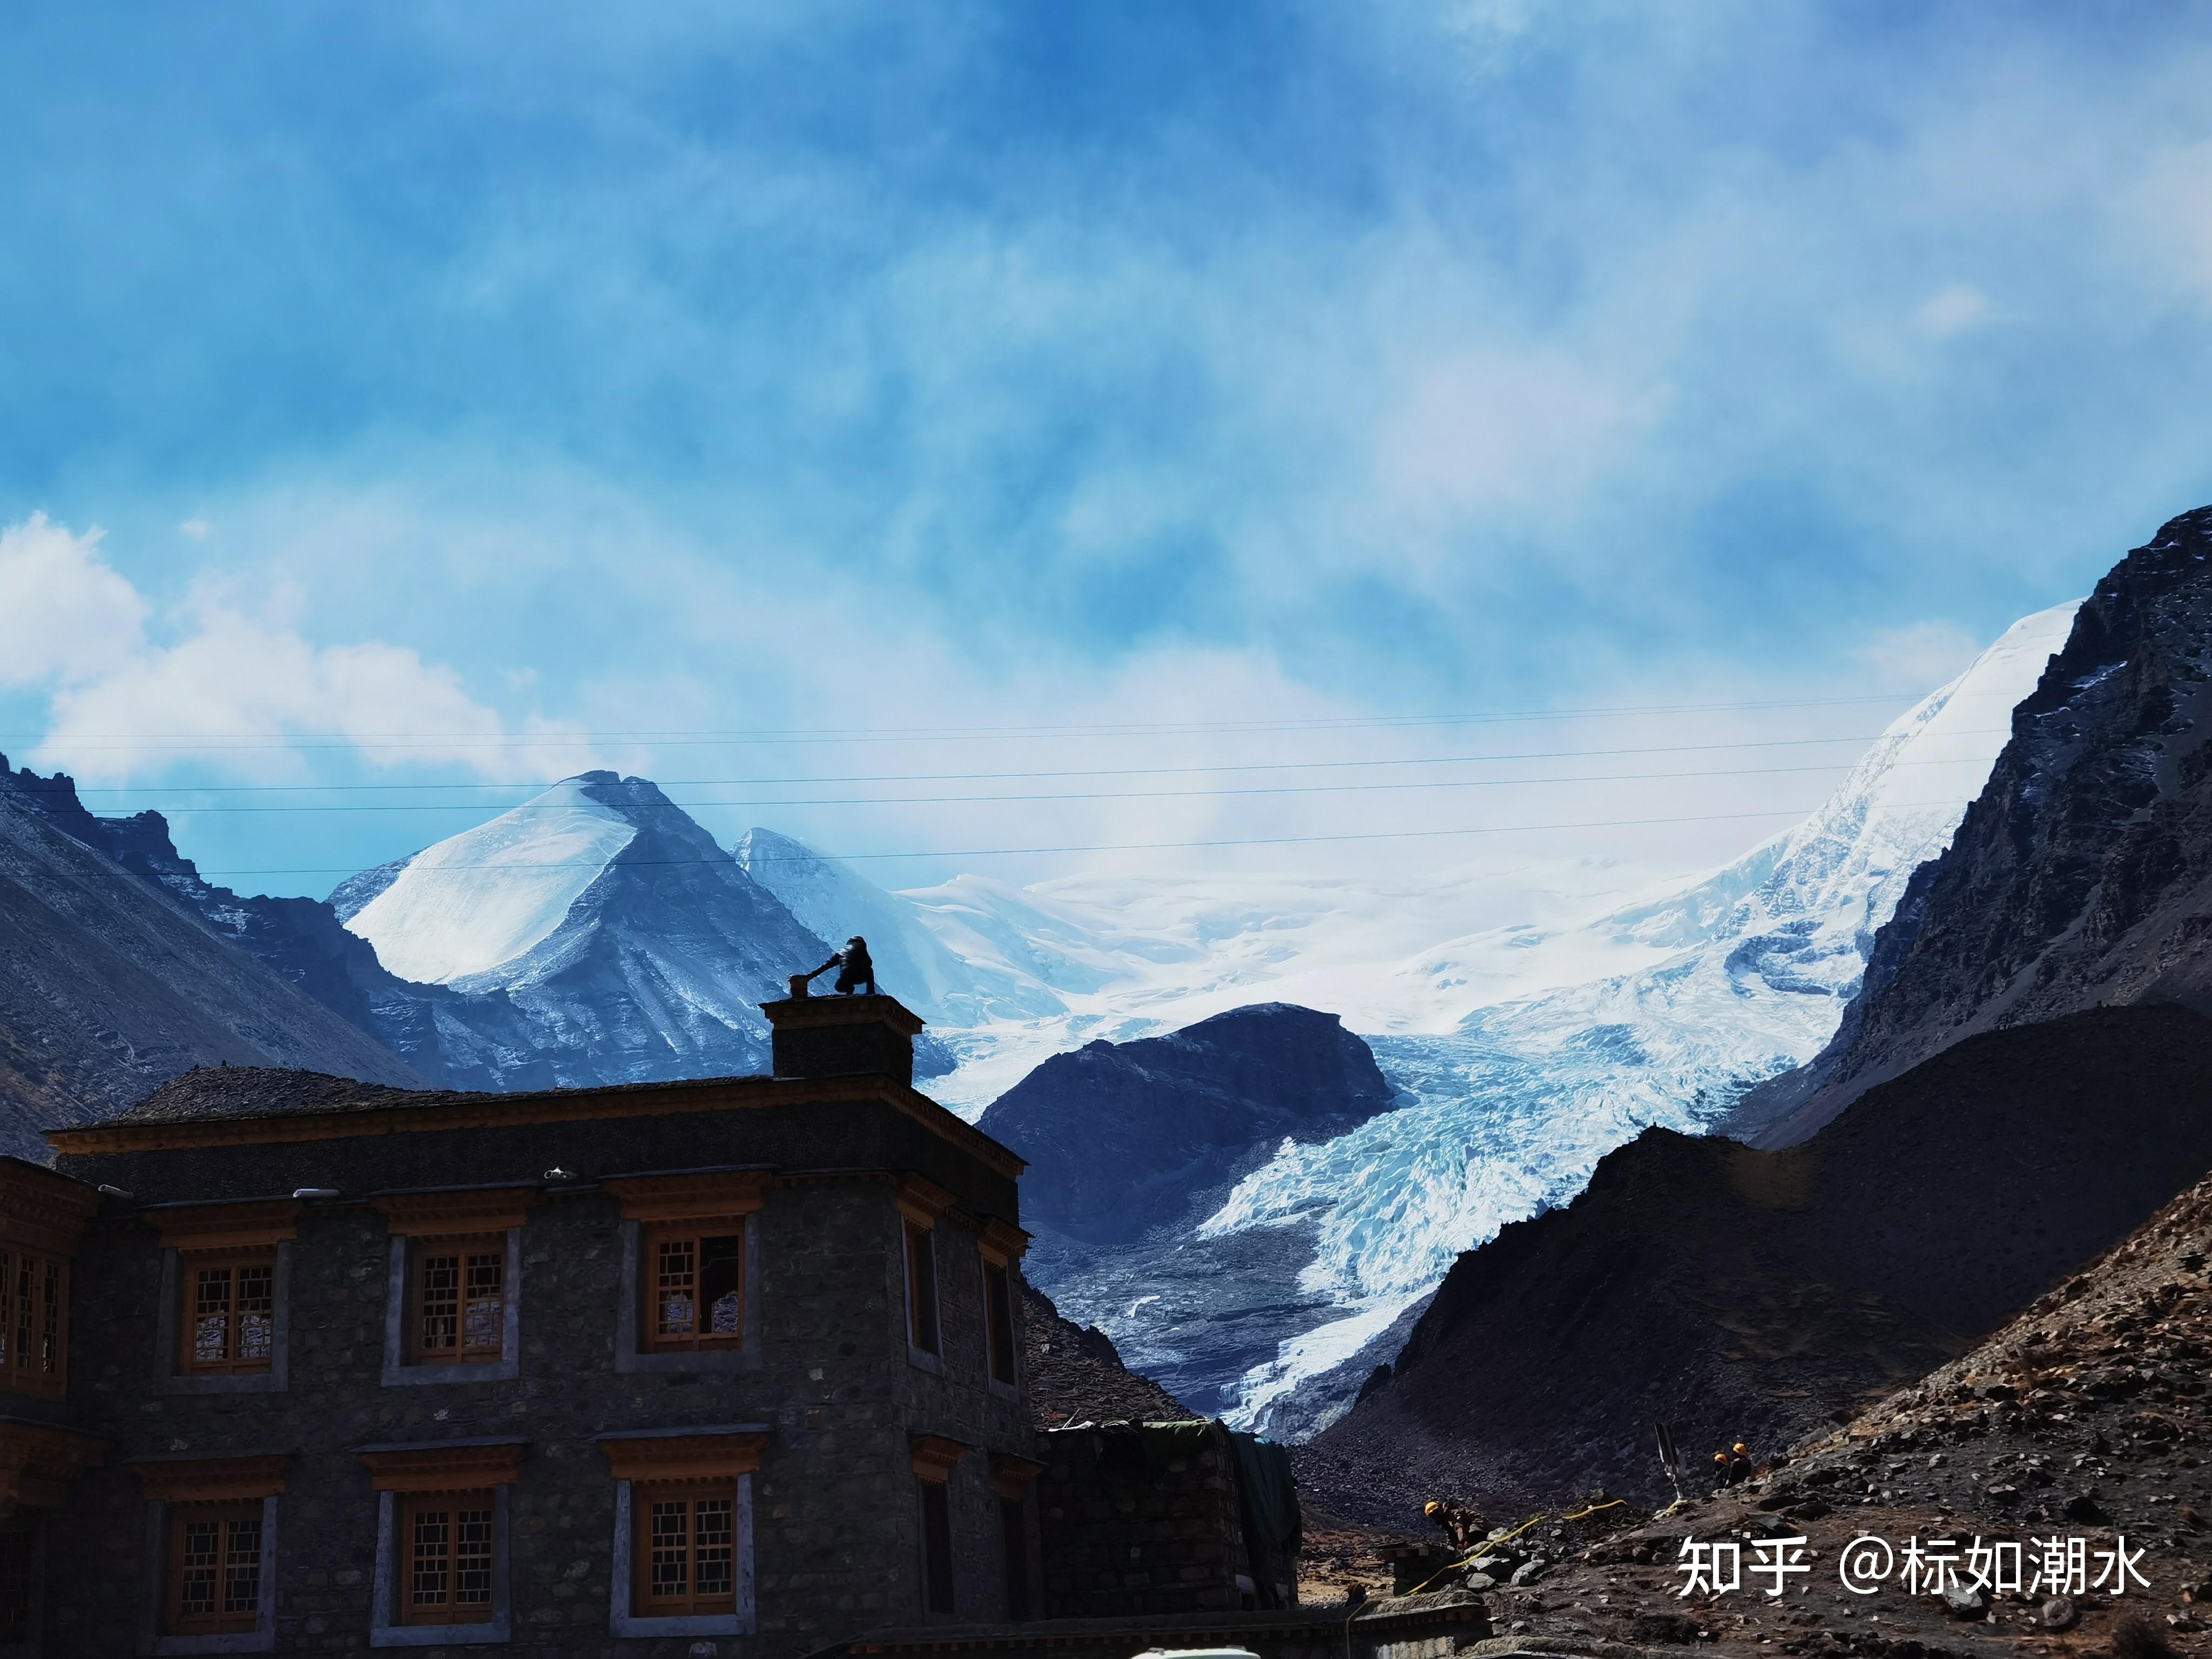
x,y
1952,310
224,688
65,616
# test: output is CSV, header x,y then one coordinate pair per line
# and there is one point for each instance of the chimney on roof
x,y
842,1035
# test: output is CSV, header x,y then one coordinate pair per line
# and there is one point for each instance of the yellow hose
x,y
1489,1544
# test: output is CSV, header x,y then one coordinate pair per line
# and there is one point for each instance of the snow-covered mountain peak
x,y
489,895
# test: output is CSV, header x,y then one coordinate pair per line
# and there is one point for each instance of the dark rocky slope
x,y
1074,1375
2088,1417
2082,876
441,1035
1124,1136
1750,1294
108,987
1131,1145
654,977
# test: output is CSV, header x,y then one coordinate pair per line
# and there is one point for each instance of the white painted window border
x,y
385,1628
621,1622
921,1358
262,1638
629,1356
1004,1388
398,1373
170,1376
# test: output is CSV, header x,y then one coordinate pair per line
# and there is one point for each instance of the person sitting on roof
x,y
853,966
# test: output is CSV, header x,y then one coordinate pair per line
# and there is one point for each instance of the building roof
x,y
225,1091
251,1104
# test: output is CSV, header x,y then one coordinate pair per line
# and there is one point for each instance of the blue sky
x,y
460,394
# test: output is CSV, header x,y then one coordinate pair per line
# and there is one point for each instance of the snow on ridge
x,y
1510,1114
487,895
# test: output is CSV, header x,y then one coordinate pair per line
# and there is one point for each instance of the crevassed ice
x,y
486,896
1508,1115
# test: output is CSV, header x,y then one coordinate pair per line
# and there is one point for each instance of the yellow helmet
x,y
1740,1450
1431,1507
1720,1457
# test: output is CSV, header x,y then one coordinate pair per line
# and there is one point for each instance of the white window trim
x,y
621,1622
630,1313
262,1638
1005,1388
170,1376
921,1358
398,1373
385,1628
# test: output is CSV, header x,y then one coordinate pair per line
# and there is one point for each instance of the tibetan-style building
x,y
299,1365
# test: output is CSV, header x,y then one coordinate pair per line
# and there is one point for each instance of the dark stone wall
x,y
836,1549
1129,1530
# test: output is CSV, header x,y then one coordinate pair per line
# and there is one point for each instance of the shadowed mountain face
x,y
1133,1145
1122,1138
1072,1375
652,969
2082,876
1744,1294
109,986
630,946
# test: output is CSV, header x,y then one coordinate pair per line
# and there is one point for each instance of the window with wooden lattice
x,y
445,1564
458,1289
230,1311
34,1322
684,1550
215,1568
695,1287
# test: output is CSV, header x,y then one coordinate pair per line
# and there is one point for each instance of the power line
x,y
184,741
1102,795
957,777
1121,847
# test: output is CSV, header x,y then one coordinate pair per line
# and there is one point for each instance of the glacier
x,y
1700,988
1528,1025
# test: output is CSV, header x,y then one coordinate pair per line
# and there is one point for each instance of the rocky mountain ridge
x,y
1131,1146
1746,1294
2080,876
112,983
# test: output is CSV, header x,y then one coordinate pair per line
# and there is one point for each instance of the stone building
x,y
294,1364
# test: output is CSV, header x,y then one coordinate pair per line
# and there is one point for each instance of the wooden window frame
x,y
34,1324
187,1490
1002,1246
655,1465
925,1305
469,1253
935,1457
454,1476
654,1239
940,1575
463,1223
225,1517
647,1501
42,1218
452,1507
191,1265
1002,1354
698,1204
216,1237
